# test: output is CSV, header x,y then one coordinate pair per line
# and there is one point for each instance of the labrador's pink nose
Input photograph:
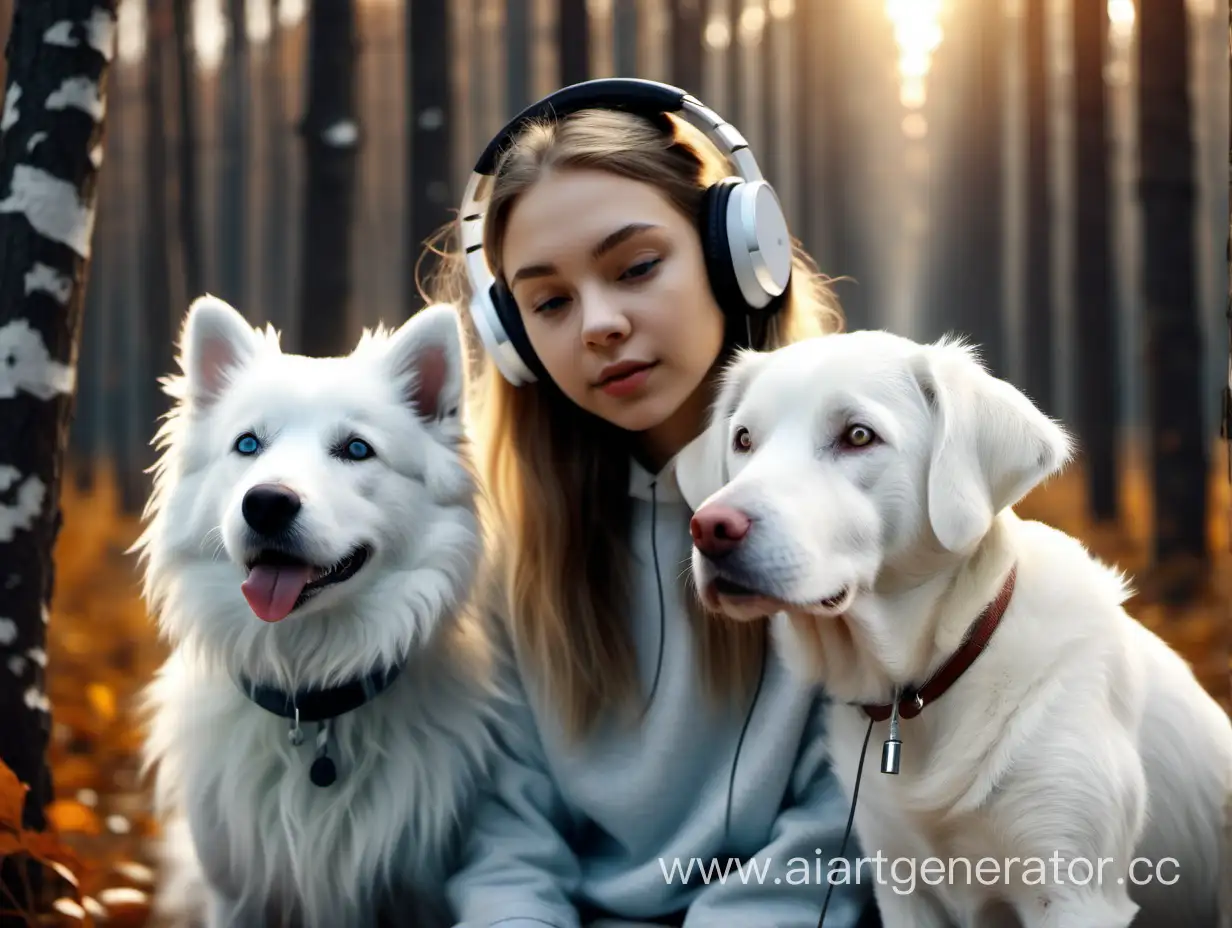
x,y
718,530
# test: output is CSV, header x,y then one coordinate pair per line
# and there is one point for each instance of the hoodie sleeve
x,y
516,870
809,828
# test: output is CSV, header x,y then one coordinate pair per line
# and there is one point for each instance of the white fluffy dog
x,y
1061,767
319,727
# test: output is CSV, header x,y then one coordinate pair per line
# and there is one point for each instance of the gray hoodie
x,y
610,827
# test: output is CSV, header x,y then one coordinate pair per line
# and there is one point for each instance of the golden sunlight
x,y
1121,15
917,31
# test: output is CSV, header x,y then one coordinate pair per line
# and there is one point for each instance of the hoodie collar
x,y
673,483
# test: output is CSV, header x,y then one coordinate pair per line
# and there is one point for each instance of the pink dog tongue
x,y
272,591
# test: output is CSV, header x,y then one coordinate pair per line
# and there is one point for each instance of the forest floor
x,y
103,648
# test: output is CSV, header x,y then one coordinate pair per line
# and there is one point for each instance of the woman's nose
x,y
603,321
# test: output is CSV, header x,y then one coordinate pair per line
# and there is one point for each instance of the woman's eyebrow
x,y
623,234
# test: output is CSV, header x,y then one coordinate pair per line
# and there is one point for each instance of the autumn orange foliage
x,y
102,648
43,847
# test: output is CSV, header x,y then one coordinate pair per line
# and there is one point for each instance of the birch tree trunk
x,y
51,149
1173,356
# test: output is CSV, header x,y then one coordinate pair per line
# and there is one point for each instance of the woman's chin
x,y
636,416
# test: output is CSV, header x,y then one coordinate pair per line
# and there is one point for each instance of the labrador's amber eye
x,y
859,436
742,441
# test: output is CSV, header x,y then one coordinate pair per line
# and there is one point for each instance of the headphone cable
x,y
851,814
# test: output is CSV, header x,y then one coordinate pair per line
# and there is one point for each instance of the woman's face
x,y
612,288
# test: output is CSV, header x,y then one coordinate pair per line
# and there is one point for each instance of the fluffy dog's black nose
x,y
270,508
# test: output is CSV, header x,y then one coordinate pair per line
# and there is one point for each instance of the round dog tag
x,y
323,772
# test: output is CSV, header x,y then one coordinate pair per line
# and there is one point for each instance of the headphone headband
x,y
633,95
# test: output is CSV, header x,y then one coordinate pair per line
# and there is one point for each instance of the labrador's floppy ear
x,y
991,445
701,467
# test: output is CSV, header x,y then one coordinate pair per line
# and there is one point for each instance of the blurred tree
x,y
686,61
430,117
824,136
6,19
1098,393
1038,339
573,38
967,239
51,150
156,334
980,306
279,308
517,56
232,227
1173,341
330,130
189,212
623,17
1226,424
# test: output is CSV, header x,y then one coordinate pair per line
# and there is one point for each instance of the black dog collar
x,y
320,705
316,705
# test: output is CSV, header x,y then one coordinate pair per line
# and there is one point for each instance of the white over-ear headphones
x,y
744,233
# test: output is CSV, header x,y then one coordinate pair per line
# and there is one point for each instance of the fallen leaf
x,y
69,815
10,843
102,698
12,798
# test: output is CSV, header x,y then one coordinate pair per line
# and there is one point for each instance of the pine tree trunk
x,y
235,84
189,215
1173,349
1037,328
978,307
573,36
1227,396
1098,396
518,56
825,138
1226,424
159,355
51,145
331,135
686,63
278,250
431,195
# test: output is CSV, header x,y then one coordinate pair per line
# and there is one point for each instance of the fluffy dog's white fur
x,y
269,847
1077,732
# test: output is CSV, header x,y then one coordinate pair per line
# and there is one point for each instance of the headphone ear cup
x,y
712,226
511,321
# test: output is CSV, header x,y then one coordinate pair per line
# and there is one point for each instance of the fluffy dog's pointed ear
x,y
701,467
425,355
991,445
216,340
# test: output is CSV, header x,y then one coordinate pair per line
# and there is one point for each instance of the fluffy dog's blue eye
x,y
247,444
358,450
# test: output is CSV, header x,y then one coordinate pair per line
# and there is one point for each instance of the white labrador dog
x,y
1075,774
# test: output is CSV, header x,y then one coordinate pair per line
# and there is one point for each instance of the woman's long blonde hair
x,y
555,478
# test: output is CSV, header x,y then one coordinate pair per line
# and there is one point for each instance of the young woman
x,y
647,745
